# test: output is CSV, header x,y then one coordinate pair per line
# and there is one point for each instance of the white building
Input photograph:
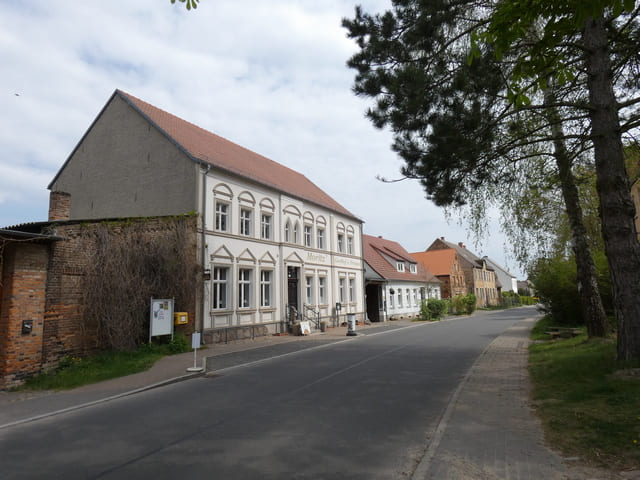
x,y
396,283
271,241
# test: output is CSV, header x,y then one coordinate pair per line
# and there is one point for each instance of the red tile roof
x,y
374,250
438,262
204,146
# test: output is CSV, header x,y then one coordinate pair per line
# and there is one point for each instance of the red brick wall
x,y
24,277
59,206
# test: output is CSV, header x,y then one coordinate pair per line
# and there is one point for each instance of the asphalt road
x,y
357,409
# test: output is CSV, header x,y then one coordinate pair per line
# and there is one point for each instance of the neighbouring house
x,y
525,287
446,265
480,278
273,246
507,280
396,284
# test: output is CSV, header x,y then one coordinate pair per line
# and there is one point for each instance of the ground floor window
x,y
322,290
265,288
220,287
244,288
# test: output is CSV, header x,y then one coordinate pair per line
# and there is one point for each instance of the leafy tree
x,y
189,3
597,41
456,124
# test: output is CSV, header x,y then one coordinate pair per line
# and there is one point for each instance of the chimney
x,y
461,245
442,238
59,206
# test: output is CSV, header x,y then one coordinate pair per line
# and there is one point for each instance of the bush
x,y
437,308
469,302
556,285
511,299
425,313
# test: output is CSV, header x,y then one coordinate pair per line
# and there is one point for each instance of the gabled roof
x,y
438,262
463,252
377,248
497,266
208,148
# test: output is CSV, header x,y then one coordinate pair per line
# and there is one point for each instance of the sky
x,y
270,76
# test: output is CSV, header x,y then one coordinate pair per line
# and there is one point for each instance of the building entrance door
x,y
292,288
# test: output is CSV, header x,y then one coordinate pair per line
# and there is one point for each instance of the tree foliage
x,y
189,3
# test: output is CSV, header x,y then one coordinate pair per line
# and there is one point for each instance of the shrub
x,y
437,308
469,302
425,313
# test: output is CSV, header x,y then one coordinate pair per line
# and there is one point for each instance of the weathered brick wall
x,y
66,331
24,276
59,206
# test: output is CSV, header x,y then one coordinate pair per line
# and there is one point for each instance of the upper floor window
x,y
307,235
400,266
265,226
287,232
413,268
222,217
341,243
245,222
350,244
320,235
296,233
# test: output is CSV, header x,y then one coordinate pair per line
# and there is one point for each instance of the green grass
x,y
586,409
75,371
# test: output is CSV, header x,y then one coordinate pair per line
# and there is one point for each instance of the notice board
x,y
161,314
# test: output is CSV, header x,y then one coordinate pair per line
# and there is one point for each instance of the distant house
x,y
507,280
446,266
396,284
480,278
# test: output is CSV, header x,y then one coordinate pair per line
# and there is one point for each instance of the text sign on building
x,y
161,317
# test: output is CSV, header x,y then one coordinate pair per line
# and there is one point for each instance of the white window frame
x,y
265,226
287,232
391,302
322,290
341,242
246,215
308,289
308,236
352,290
220,287
413,268
341,289
408,297
266,288
245,287
399,293
350,244
222,212
320,238
296,233
400,266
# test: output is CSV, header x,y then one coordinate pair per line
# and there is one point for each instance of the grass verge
x,y
74,372
589,403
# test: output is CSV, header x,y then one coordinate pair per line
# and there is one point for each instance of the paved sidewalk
x,y
489,430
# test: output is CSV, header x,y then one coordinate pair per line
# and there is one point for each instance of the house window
x,y
296,233
391,299
341,243
350,245
342,286
222,217
265,288
408,297
220,278
399,298
244,288
245,222
307,235
400,266
308,287
413,268
415,296
265,225
352,289
287,232
321,238
322,290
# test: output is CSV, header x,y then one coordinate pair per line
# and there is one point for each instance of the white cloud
x,y
270,76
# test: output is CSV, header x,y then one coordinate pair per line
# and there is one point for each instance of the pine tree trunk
x,y
616,208
592,309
